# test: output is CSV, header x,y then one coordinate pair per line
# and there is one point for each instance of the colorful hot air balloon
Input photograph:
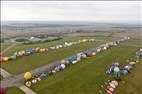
x,y
117,73
27,76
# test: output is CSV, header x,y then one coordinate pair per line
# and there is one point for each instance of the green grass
x,y
1,77
83,78
26,63
13,90
132,83
5,44
20,47
136,42
86,77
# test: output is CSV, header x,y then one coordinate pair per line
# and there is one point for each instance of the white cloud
x,y
72,10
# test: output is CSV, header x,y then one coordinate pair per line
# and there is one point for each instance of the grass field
x,y
27,63
87,77
83,78
13,90
1,77
20,47
132,83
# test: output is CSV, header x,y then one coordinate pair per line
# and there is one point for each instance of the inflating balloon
x,y
27,76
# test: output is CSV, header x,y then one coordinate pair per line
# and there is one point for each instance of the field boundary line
x,y
5,50
4,73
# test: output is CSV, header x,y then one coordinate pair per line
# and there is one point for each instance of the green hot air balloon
x,y
117,75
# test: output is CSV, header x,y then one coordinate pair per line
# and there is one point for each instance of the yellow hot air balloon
x,y
27,76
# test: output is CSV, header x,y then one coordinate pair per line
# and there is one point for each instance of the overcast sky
x,y
99,11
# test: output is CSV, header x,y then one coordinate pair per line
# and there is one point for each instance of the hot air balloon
x,y
27,76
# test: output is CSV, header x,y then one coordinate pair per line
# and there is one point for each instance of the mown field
x,y
20,47
131,84
88,76
27,63
82,78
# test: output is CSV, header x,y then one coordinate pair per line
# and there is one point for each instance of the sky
x,y
98,11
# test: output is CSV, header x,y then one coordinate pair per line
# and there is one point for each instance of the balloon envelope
x,y
116,69
27,75
5,59
28,84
